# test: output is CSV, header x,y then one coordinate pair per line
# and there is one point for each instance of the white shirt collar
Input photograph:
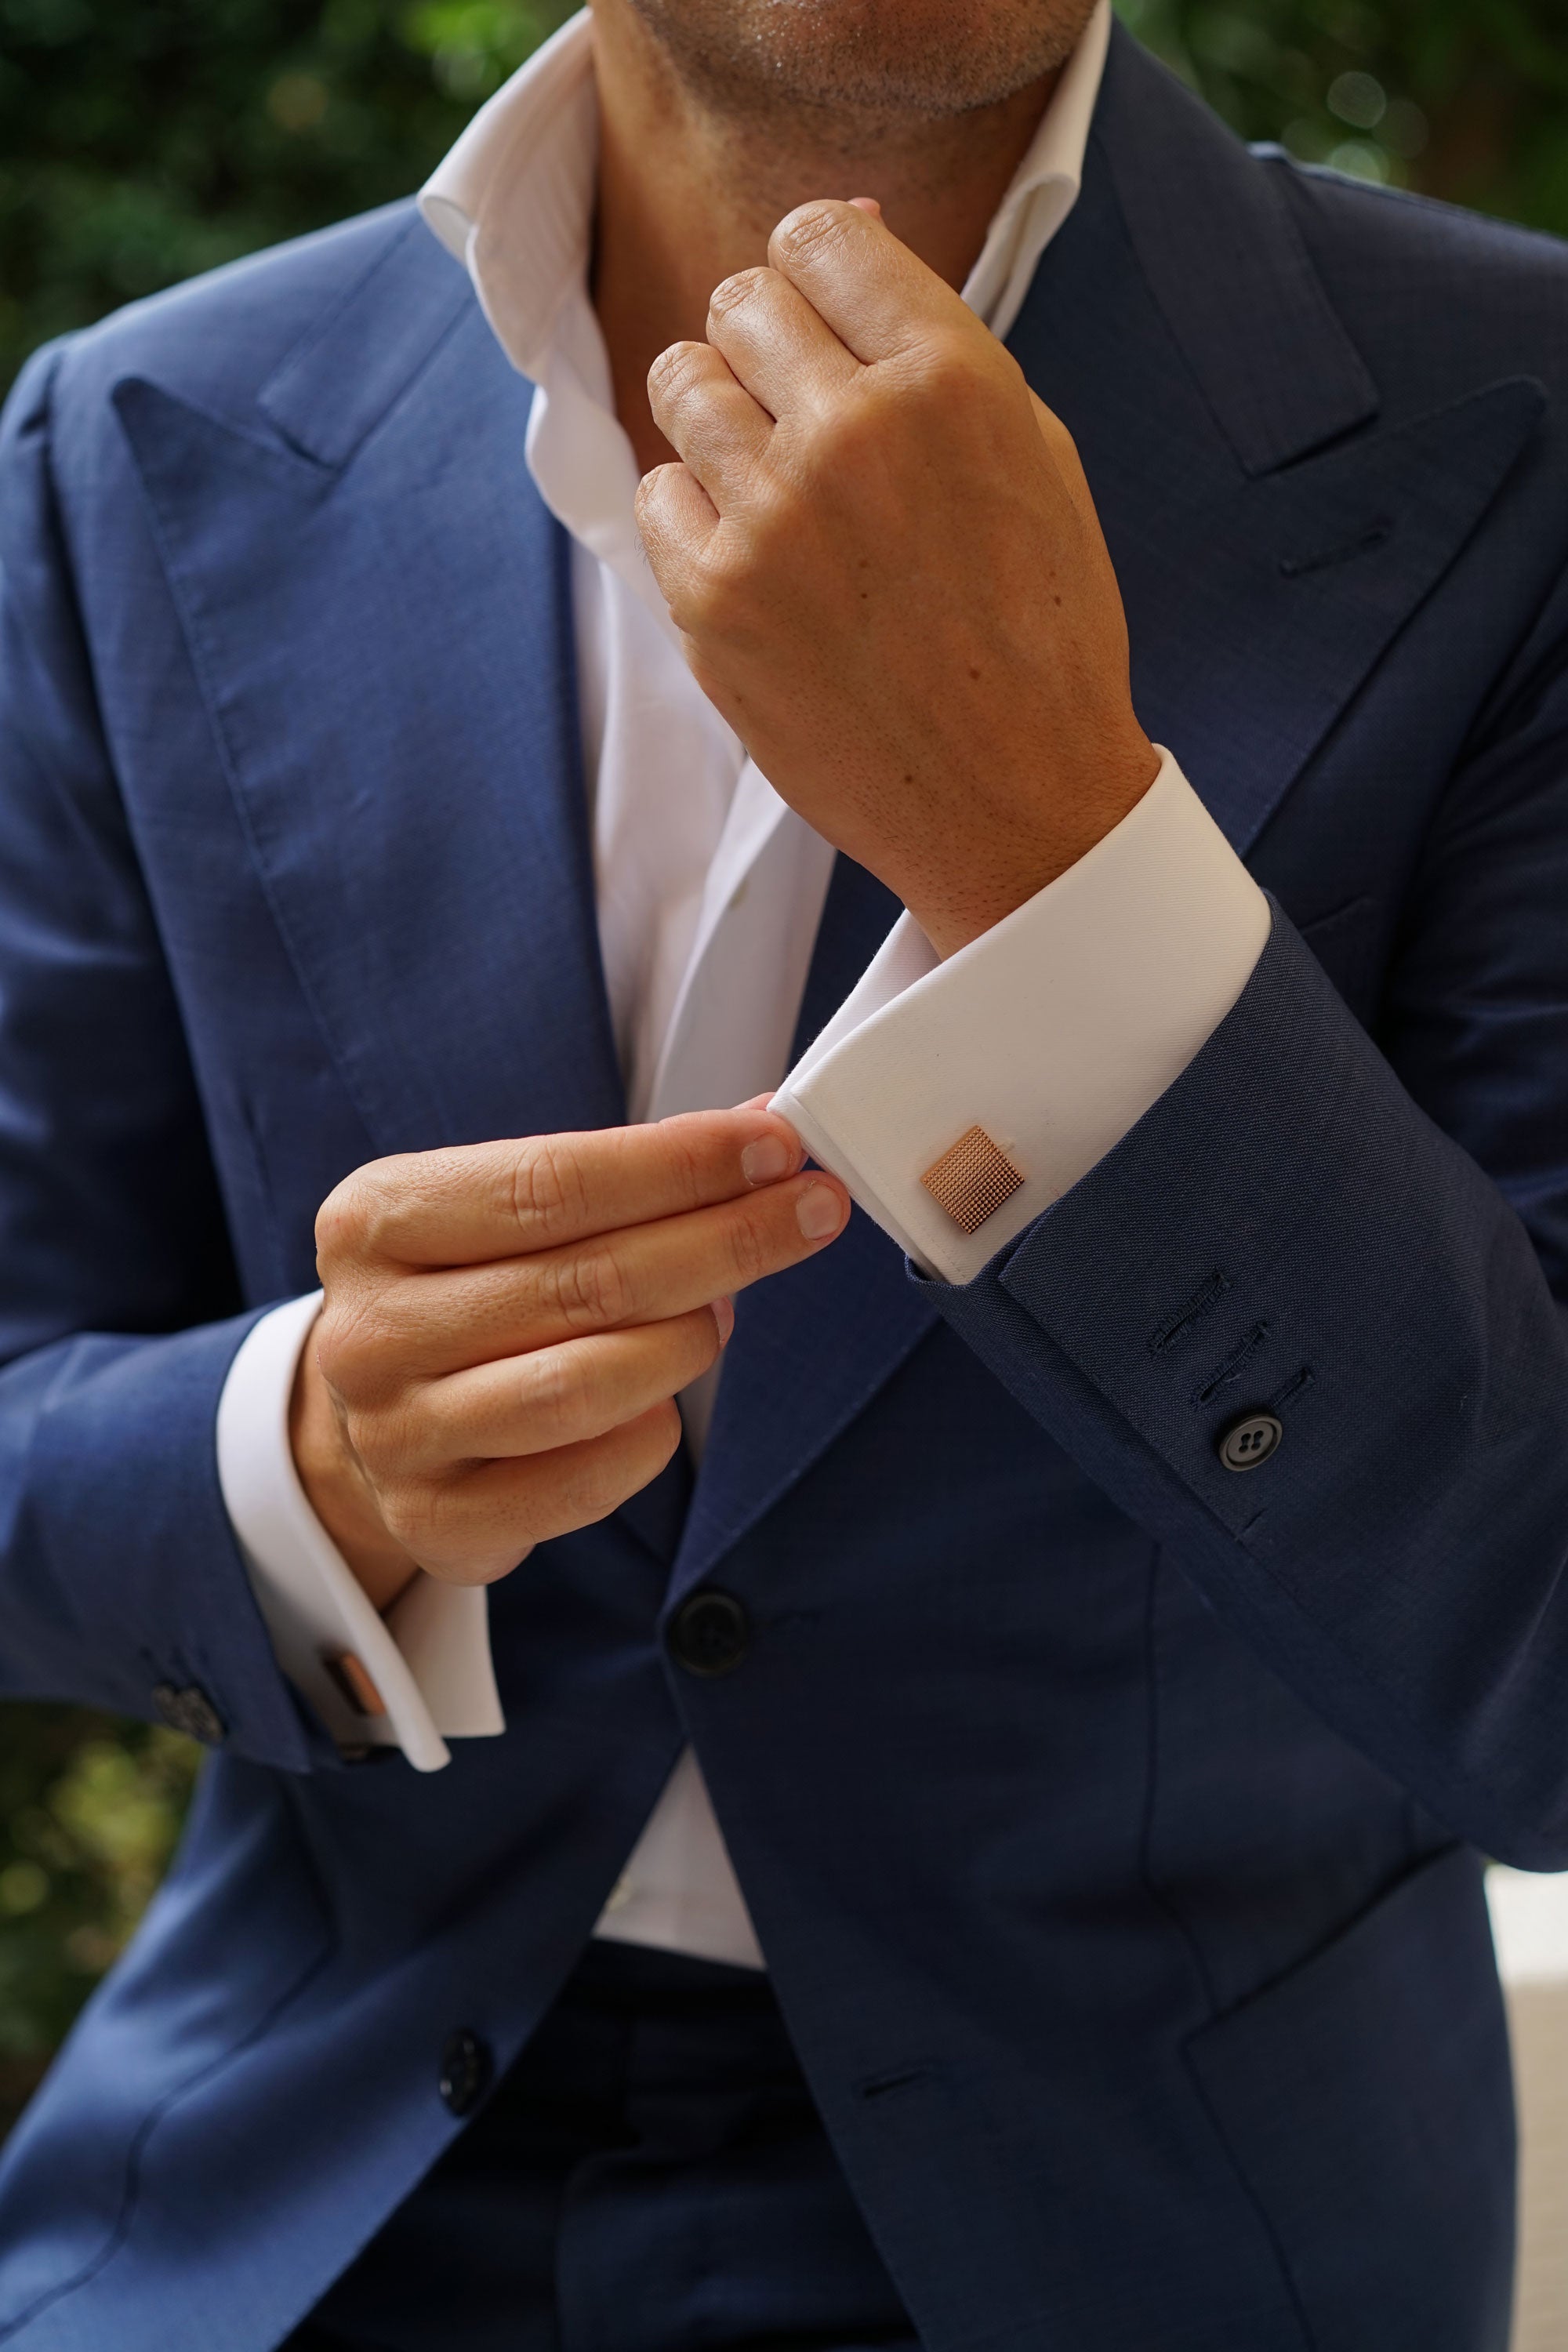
x,y
514,198
1045,186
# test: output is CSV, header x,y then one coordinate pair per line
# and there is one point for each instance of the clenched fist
x,y
884,561
506,1325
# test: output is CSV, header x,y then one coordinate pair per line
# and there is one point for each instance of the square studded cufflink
x,y
972,1179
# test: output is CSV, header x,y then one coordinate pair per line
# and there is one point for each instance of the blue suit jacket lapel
x,y
1271,532
376,604
810,1348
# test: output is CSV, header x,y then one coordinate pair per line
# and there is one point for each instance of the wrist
x,y
977,882
339,1492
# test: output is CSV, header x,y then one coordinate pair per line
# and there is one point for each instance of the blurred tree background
x,y
143,140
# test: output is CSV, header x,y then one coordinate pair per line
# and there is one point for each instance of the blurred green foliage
x,y
143,140
90,1811
1467,99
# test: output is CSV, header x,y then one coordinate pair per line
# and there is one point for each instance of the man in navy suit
x,y
963,1832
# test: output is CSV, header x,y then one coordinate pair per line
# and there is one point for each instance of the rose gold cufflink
x,y
355,1684
972,1179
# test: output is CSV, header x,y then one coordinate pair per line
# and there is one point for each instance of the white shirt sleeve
x,y
1052,1034
421,1670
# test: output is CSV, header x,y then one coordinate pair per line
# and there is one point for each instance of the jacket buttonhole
x,y
1207,1295
1229,1368
884,2086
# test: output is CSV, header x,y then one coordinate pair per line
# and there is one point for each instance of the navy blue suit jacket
x,y
1108,1819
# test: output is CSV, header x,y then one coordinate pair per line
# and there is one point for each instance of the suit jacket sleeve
x,y
118,1310
1369,1238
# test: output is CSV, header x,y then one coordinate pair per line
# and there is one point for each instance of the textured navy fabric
x,y
1108,1819
651,2176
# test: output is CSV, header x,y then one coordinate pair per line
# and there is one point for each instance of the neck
x,y
688,194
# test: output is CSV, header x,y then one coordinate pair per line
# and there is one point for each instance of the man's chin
x,y
893,57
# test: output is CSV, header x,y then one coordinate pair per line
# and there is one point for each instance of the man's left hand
x,y
883,556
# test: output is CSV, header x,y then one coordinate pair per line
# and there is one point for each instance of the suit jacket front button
x,y
465,2070
709,1632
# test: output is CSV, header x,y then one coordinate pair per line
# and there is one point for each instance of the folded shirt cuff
x,y
403,1681
958,1100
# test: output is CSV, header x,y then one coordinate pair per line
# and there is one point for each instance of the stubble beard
x,y
840,72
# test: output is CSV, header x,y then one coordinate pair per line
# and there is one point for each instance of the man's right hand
x,y
505,1327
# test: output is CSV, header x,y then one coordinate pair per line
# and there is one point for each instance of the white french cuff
x,y
1038,1046
399,1682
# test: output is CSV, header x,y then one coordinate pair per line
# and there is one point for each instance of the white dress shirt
x,y
1054,1031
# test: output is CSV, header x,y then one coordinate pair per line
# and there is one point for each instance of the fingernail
x,y
819,1212
766,1159
724,1316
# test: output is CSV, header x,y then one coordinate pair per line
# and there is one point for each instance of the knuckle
x,y
597,1486
652,491
943,373
348,1338
734,293
350,1214
847,441
556,1391
336,1353
709,595
812,229
416,1513
549,1191
678,372
588,1290
382,1433
680,1137
370,1215
751,1256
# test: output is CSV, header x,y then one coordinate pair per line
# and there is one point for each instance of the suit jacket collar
x,y
376,606
1218,246
1271,529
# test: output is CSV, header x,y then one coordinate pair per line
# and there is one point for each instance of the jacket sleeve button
x,y
709,1632
1250,1440
465,2071
189,1709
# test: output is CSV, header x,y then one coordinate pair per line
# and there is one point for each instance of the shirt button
x,y
188,1709
465,2070
1247,1443
709,1633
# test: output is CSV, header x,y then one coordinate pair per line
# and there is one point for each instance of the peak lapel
x,y
376,601
1221,253
1270,533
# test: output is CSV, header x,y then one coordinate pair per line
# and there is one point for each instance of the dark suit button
x,y
709,1633
1247,1443
191,1711
465,2071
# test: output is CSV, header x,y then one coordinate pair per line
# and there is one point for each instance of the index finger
x,y
876,295
472,1204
